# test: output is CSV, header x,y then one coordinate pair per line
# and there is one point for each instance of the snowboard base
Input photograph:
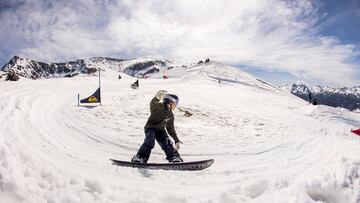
x,y
182,166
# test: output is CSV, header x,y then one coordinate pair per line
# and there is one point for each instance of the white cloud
x,y
276,35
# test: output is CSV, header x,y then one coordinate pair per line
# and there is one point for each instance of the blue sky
x,y
281,41
341,18
337,18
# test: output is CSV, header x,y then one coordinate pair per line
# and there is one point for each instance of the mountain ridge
x,y
138,67
345,97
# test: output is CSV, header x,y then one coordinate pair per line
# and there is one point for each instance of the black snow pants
x,y
164,141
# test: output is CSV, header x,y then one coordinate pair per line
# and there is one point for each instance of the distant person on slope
x,y
161,118
315,102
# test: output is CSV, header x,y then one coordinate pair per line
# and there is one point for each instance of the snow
x,y
268,145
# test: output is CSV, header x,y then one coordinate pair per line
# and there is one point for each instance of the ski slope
x,y
268,145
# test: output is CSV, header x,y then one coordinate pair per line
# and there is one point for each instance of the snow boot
x,y
138,159
176,159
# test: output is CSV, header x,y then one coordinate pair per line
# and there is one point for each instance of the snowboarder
x,y
309,96
161,118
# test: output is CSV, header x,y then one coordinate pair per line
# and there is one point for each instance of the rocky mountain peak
x,y
346,97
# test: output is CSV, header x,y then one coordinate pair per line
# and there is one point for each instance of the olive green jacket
x,y
161,117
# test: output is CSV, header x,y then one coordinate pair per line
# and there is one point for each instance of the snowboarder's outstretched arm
x,y
171,130
153,102
161,94
156,100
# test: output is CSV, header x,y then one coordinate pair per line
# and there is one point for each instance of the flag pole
x,y
100,86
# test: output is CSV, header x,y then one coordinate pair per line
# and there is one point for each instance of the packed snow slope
x,y
268,145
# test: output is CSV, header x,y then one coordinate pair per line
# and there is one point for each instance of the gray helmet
x,y
171,98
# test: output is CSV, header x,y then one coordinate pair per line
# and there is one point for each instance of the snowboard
x,y
182,166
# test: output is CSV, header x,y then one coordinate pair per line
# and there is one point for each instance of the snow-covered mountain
x,y
348,98
268,145
33,69
139,67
